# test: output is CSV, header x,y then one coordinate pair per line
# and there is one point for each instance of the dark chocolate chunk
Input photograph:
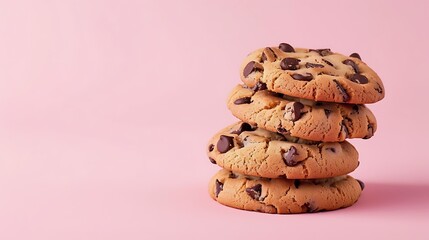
x,y
263,57
290,64
322,52
306,77
362,185
344,127
343,91
286,47
295,111
289,156
352,64
355,108
296,183
327,112
370,132
259,87
219,187
255,191
328,62
243,127
232,175
308,207
250,67
211,147
212,160
358,78
282,130
225,143
355,55
379,89
244,100
331,149
313,65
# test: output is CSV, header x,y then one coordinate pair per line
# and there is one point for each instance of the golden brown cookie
x,y
316,121
283,195
315,74
253,151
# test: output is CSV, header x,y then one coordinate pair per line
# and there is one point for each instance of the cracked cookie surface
x,y
283,196
315,74
316,121
258,152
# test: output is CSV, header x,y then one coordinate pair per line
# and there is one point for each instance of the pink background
x,y
106,108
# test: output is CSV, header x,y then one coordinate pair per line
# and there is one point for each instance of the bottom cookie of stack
x,y
282,196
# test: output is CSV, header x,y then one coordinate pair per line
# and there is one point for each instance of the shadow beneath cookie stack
x,y
400,196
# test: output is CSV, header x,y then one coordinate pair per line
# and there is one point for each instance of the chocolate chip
x,y
327,112
328,62
379,89
282,130
293,111
250,67
212,160
259,87
313,65
322,51
219,187
343,91
286,47
289,156
306,77
355,108
308,207
297,183
244,100
290,64
255,191
225,143
361,184
358,78
263,57
232,175
355,55
331,149
352,64
370,132
211,147
344,127
243,127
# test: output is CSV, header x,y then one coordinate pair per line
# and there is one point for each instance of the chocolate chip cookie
x,y
315,74
249,150
306,119
283,195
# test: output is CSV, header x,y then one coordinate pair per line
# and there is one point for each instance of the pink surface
x,y
106,108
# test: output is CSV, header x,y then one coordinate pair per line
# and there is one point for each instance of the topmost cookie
x,y
316,74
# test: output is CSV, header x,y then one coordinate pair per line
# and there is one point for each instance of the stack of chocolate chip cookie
x,y
288,153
